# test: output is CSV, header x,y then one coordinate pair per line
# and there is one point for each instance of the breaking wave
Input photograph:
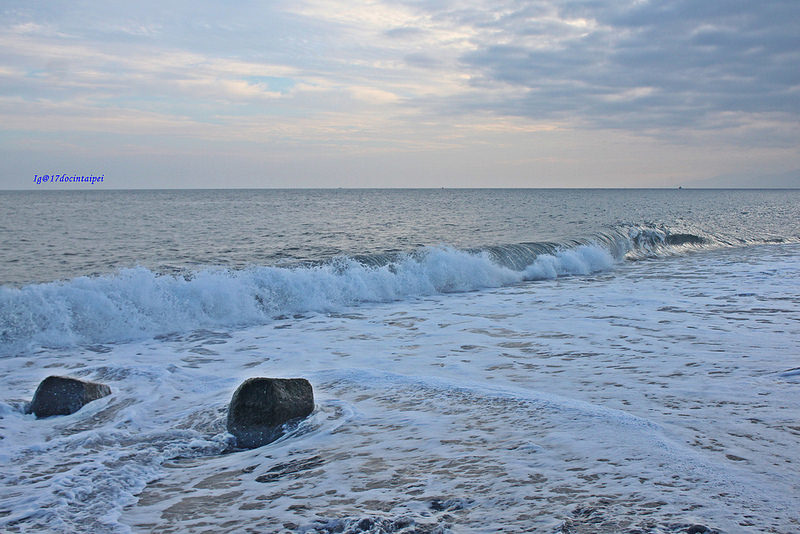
x,y
137,303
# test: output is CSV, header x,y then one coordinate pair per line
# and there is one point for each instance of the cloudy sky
x,y
362,93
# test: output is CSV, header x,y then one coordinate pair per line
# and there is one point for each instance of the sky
x,y
414,93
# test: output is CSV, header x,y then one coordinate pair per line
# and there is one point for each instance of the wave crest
x,y
136,303
139,303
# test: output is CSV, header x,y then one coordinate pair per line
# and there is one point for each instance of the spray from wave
x,y
138,303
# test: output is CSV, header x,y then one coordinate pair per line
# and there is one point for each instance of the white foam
x,y
522,402
582,260
138,303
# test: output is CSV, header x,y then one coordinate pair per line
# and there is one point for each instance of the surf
x,y
136,303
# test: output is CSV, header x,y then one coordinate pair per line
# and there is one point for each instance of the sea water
x,y
482,361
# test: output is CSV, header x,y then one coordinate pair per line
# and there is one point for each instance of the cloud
x,y
422,60
404,32
636,64
368,75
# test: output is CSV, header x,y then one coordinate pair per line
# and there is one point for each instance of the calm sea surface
x,y
57,235
482,360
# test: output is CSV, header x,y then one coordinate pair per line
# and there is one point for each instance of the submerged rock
x,y
62,395
261,406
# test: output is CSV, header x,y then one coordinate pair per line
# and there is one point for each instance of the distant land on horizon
x,y
786,180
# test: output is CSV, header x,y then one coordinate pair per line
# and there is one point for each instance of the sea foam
x,y
137,302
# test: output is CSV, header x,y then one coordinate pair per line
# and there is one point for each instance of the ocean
x,y
571,361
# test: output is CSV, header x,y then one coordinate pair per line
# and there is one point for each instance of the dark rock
x,y
448,505
437,505
261,406
403,522
292,468
61,395
365,524
697,529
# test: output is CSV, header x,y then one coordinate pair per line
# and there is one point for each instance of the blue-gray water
x,y
573,361
58,235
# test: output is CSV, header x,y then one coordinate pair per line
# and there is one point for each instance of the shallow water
x,y
482,361
655,396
